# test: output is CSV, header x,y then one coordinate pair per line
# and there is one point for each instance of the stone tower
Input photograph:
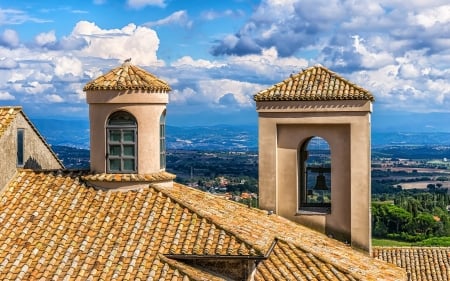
x,y
328,188
127,110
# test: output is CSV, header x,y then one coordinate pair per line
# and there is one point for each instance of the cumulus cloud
x,y
9,38
6,96
45,38
138,42
180,18
65,66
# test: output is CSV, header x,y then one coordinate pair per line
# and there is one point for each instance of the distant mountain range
x,y
75,133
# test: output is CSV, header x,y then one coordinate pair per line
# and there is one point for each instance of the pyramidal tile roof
x,y
127,77
7,115
55,226
316,83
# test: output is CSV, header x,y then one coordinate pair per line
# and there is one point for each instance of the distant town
x,y
410,181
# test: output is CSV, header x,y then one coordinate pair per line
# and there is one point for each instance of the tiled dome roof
x,y
127,77
314,84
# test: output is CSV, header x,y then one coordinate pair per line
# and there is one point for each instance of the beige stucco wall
x,y
37,155
345,125
145,107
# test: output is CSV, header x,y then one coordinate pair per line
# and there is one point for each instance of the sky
x,y
216,55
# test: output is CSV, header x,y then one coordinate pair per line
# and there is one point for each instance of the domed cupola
x,y
127,112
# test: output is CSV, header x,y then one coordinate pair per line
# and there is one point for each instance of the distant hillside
x,y
75,133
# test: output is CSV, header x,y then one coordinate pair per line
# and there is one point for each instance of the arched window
x,y
121,143
162,140
315,176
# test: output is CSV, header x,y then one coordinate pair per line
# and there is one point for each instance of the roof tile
x,y
421,263
127,77
66,229
316,83
7,115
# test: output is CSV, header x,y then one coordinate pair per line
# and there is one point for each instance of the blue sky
x,y
217,54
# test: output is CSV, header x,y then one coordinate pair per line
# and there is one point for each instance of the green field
x,y
431,242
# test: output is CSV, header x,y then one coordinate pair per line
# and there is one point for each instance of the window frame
x,y
162,141
129,124
304,206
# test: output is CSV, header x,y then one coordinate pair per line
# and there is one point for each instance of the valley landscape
x,y
410,173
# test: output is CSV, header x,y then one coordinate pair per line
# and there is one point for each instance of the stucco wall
x,y
37,155
146,108
346,128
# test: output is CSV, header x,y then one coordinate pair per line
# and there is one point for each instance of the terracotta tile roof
x,y
54,226
155,177
7,115
316,83
260,230
128,77
421,263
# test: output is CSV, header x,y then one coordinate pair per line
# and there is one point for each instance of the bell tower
x,y
314,154
127,111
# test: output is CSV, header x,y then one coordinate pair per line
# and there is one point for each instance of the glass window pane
x,y
114,164
114,135
20,133
128,135
128,164
128,150
114,150
121,118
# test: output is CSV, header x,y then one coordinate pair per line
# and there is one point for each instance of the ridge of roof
x,y
108,177
315,83
127,77
55,225
248,224
9,113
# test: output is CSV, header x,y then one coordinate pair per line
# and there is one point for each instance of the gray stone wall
x,y
37,155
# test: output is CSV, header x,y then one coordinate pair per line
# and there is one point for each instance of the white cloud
x,y
54,98
433,16
137,4
8,63
13,16
268,63
187,61
177,18
371,59
6,96
139,43
35,87
45,38
182,96
9,38
67,66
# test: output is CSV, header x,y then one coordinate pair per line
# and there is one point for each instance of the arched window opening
x,y
162,141
121,143
315,175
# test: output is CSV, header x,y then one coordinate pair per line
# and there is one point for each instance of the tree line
x,y
411,215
